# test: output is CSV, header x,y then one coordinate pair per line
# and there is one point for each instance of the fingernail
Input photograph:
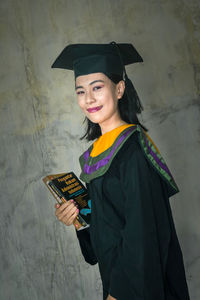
x,y
72,200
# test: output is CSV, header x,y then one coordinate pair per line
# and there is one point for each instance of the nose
x,y
89,98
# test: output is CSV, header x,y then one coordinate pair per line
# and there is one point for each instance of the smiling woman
x,y
98,98
132,235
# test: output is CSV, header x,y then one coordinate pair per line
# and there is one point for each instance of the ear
x,y
120,87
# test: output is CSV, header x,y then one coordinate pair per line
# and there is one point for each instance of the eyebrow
x,y
80,86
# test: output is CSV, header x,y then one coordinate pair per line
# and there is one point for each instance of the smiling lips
x,y
94,109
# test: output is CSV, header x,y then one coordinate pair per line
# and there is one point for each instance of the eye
x,y
97,88
80,92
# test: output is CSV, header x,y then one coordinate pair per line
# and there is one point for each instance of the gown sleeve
x,y
139,269
85,243
86,246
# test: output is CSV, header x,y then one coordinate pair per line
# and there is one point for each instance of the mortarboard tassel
x,y
132,95
134,103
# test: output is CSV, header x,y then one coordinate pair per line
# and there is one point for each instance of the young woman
x,y
132,234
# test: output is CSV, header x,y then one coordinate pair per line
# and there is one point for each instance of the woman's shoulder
x,y
128,155
142,154
129,149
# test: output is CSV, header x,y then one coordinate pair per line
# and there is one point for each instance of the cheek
x,y
111,103
81,103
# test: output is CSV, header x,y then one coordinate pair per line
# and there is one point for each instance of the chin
x,y
94,119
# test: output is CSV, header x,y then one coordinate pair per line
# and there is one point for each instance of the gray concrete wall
x,y
40,124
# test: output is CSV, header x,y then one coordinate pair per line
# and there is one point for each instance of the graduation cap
x,y
104,58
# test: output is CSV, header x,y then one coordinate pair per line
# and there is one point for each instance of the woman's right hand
x,y
66,212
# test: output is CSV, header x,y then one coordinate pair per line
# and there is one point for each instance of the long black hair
x,y
127,110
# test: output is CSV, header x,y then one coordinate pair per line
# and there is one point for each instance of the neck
x,y
111,124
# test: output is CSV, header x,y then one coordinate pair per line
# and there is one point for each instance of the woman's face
x,y
98,98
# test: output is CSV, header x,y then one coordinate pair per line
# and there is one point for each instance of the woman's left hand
x,y
110,298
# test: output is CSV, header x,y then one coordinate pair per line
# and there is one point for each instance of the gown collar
x,y
96,160
106,140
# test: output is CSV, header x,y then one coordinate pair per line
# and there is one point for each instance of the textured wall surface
x,y
40,126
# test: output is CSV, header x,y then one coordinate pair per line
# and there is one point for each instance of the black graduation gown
x,y
132,234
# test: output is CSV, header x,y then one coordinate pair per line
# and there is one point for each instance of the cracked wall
x,y
40,126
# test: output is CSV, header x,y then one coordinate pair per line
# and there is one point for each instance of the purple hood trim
x,y
90,169
159,162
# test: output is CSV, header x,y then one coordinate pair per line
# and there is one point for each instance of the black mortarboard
x,y
104,58
93,58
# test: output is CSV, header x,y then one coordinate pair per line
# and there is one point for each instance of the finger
x,y
57,205
59,210
69,220
67,212
63,206
73,217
